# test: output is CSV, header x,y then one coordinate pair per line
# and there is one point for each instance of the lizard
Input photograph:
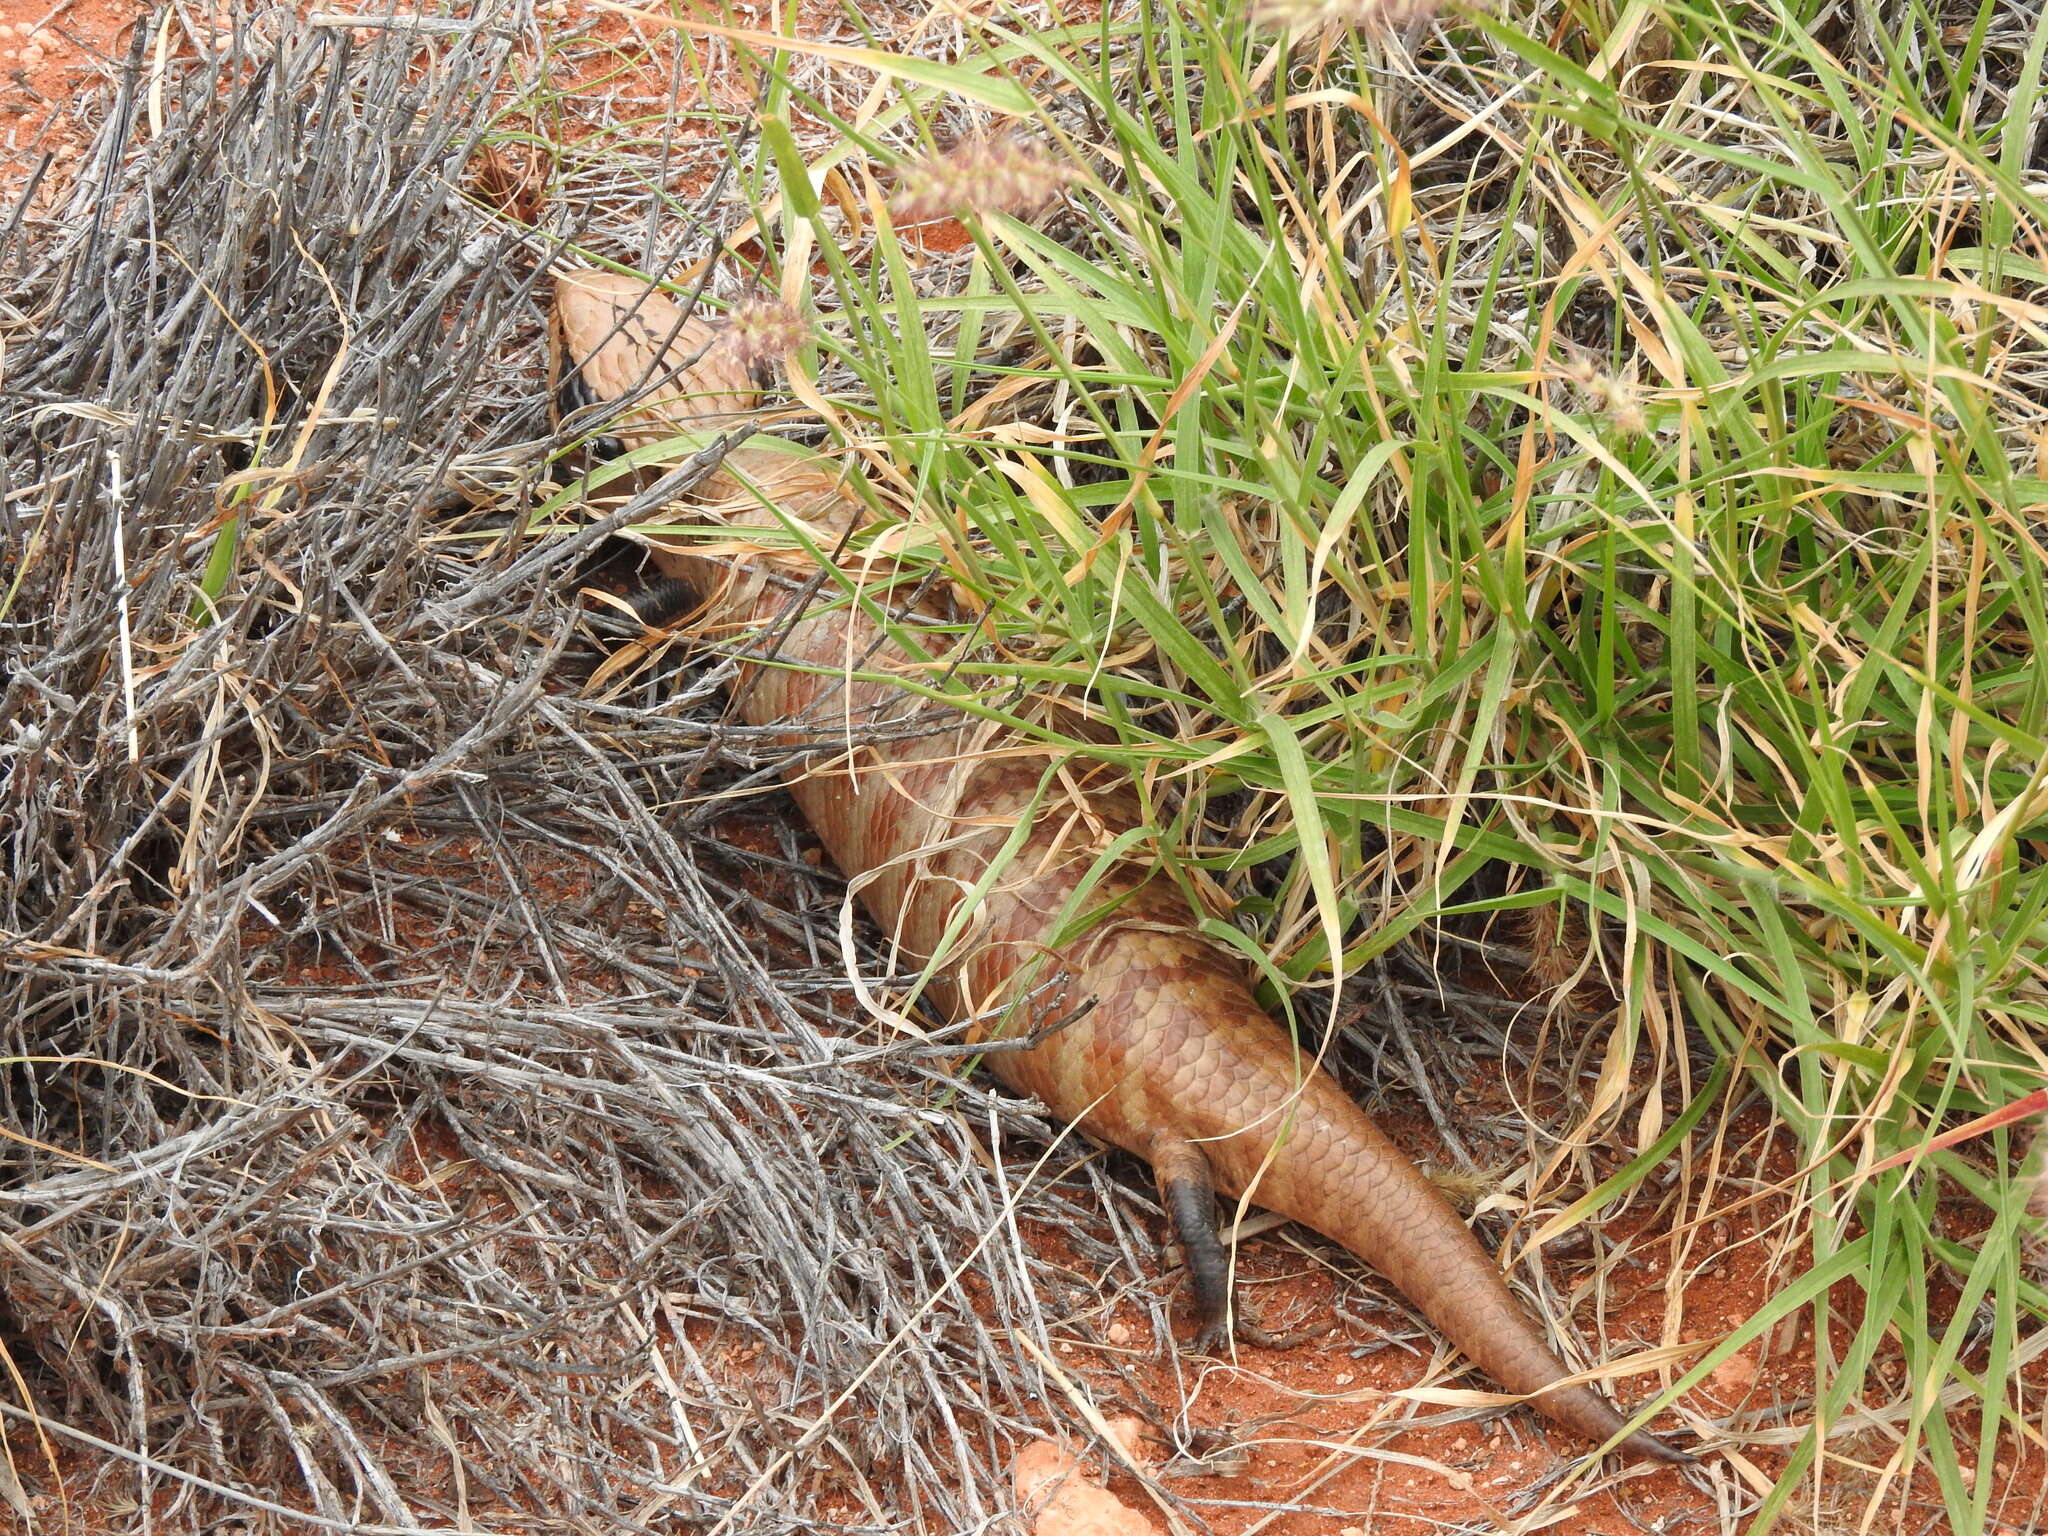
x,y
974,847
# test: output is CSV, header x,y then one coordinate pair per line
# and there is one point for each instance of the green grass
x,y
1631,481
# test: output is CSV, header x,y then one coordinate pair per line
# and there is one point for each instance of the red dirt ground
x,y
50,51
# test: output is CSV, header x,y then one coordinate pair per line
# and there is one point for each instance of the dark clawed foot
x,y
1264,1338
1188,1191
1218,1331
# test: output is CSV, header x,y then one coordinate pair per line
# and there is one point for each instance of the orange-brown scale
x,y
1173,1049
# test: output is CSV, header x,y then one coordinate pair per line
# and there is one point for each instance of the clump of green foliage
x,y
1597,444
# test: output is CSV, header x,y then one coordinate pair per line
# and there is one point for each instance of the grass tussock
x,y
1489,460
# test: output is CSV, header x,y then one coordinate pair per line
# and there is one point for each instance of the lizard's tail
x,y
1337,1172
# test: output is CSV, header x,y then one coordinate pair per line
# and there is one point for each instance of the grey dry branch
x,y
411,1111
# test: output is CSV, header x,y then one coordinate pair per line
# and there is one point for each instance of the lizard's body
x,y
1153,1041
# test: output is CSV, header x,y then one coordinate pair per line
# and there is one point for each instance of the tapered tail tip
x,y
1643,1443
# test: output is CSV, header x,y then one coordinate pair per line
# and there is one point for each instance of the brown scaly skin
x,y
1172,1058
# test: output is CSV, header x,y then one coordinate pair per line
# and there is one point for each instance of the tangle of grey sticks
x,y
407,1121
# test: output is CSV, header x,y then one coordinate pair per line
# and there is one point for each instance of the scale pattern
x,y
1152,1032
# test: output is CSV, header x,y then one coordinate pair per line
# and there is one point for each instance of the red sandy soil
x,y
51,51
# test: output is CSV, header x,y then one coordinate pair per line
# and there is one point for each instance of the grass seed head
x,y
765,332
1614,395
1300,18
1000,175
2034,1229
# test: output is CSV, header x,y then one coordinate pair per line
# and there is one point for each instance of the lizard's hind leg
x,y
1187,1188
